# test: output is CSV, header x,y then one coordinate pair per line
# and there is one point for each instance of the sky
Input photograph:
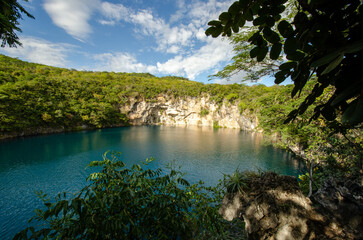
x,y
161,37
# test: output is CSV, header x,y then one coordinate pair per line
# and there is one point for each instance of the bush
x,y
130,203
231,97
204,112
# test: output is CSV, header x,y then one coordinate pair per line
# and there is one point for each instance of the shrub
x,y
130,203
204,112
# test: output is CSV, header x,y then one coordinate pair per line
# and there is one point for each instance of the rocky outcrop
x,y
273,207
185,111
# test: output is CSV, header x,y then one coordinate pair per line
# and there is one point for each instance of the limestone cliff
x,y
183,111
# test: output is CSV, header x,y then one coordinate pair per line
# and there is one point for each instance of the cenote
x,y
57,163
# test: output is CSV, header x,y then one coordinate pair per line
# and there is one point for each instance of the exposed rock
x,y
273,207
186,111
342,200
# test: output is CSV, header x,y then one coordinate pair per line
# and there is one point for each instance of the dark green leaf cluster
x,y
130,203
323,39
10,12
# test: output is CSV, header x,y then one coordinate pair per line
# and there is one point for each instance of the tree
x,y
324,38
253,69
10,12
242,62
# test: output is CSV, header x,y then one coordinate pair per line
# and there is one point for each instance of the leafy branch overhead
x,y
10,12
324,38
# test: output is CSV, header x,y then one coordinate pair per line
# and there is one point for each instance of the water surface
x,y
56,163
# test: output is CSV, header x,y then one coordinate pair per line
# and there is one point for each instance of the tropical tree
x,y
324,38
10,13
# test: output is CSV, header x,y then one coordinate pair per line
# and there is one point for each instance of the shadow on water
x,y
56,163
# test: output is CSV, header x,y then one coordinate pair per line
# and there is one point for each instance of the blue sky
x,y
162,37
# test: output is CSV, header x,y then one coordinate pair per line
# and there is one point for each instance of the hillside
x,y
35,96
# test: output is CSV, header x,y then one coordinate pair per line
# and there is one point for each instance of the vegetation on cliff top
x,y
37,96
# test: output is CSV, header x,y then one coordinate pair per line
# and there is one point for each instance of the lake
x,y
57,163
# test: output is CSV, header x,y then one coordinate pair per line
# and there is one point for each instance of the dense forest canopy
x,y
34,95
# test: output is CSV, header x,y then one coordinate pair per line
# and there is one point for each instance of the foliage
x,y
34,96
131,203
10,12
253,70
204,112
323,39
239,181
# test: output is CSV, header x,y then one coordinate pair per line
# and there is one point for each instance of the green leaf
x,y
333,64
243,3
259,21
296,56
255,7
354,113
280,76
235,28
292,115
254,52
248,15
290,45
295,90
242,22
271,36
326,59
214,31
275,51
270,21
224,17
214,23
285,29
287,65
346,94
234,8
262,54
209,31
354,47
328,113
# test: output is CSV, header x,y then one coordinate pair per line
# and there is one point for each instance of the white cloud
x,y
113,12
41,51
121,62
205,59
72,15
169,39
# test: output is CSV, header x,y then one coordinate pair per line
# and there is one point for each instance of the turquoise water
x,y
56,163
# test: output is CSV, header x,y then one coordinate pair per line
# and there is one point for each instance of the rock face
x,y
273,207
342,201
199,111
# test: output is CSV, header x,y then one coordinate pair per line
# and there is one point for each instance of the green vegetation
x,y
318,38
204,112
132,203
34,96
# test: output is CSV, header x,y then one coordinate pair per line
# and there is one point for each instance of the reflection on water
x,y
56,163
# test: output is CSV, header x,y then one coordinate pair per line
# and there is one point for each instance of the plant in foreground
x,y
131,203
